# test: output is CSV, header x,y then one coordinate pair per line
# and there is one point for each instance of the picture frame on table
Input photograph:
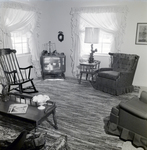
x,y
141,34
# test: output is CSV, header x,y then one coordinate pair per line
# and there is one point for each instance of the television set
x,y
53,65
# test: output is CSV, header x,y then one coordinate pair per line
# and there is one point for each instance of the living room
x,y
56,16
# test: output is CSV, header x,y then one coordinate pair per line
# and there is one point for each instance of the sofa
x,y
128,120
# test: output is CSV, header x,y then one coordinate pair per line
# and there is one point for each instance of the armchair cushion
x,y
113,75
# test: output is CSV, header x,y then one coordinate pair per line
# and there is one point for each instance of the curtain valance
x,y
99,9
17,5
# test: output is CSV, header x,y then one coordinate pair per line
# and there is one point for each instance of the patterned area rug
x,y
53,141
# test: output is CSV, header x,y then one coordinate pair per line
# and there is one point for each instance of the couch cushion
x,y
113,75
136,107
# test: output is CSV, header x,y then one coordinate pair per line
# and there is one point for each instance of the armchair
x,y
118,78
128,120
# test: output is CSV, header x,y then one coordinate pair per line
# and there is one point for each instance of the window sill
x,y
23,55
97,55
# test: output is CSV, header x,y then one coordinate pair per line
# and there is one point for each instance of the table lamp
x,y
92,37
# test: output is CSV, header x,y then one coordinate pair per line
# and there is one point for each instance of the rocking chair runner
x,y
16,76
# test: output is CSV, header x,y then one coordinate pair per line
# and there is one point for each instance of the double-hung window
x,y
103,47
20,43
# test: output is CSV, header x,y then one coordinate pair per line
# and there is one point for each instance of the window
x,y
103,47
20,43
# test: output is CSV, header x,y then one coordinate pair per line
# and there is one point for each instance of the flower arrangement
x,y
41,100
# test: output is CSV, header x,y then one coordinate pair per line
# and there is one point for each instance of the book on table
x,y
18,108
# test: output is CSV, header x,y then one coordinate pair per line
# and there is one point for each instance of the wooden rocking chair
x,y
15,76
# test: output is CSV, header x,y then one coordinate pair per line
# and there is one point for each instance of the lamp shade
x,y
91,35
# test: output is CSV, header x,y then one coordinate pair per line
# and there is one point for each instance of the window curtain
x,y
111,19
21,18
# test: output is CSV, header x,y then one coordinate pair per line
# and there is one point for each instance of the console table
x,y
88,68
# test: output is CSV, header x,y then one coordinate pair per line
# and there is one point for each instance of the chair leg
x,y
9,87
86,76
20,88
80,78
35,90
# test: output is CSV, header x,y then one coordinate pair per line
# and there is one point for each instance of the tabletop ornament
x,y
41,100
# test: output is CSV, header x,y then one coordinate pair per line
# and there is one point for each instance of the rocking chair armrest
x,y
26,67
10,72
27,71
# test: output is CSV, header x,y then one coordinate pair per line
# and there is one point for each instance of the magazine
x,y
18,108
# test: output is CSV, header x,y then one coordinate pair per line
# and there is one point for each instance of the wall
x,y
56,17
137,14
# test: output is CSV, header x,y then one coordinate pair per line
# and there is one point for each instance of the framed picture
x,y
141,34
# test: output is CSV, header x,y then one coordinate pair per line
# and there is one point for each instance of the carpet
x,y
81,111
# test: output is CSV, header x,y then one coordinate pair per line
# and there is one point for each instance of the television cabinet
x,y
53,65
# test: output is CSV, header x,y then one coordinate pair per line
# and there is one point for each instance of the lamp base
x,y
91,57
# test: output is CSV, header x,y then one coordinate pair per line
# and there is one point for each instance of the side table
x,y
88,68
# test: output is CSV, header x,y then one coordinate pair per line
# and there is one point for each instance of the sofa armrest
x,y
143,97
135,106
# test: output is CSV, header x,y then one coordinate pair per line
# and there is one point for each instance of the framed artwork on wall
x,y
141,34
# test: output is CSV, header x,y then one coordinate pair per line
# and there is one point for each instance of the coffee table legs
x,y
54,119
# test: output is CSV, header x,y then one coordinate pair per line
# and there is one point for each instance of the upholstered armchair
x,y
128,120
118,78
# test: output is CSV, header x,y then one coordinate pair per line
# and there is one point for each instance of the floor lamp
x,y
92,37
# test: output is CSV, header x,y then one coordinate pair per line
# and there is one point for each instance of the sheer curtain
x,y
20,18
111,19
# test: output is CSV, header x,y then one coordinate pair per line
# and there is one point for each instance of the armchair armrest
x,y
105,69
125,79
125,72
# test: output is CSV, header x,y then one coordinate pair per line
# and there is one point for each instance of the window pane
x,y
104,45
20,43
24,39
25,48
17,39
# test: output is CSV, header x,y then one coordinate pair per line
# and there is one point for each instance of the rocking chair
x,y
16,76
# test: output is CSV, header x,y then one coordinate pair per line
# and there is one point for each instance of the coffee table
x,y
33,114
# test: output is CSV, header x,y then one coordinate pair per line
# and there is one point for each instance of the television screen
x,y
53,64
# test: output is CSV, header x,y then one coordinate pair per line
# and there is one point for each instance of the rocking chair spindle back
x,y
14,74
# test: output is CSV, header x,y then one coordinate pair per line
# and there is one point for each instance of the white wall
x,y
137,14
56,17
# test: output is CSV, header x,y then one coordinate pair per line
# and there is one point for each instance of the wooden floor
x,y
81,111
